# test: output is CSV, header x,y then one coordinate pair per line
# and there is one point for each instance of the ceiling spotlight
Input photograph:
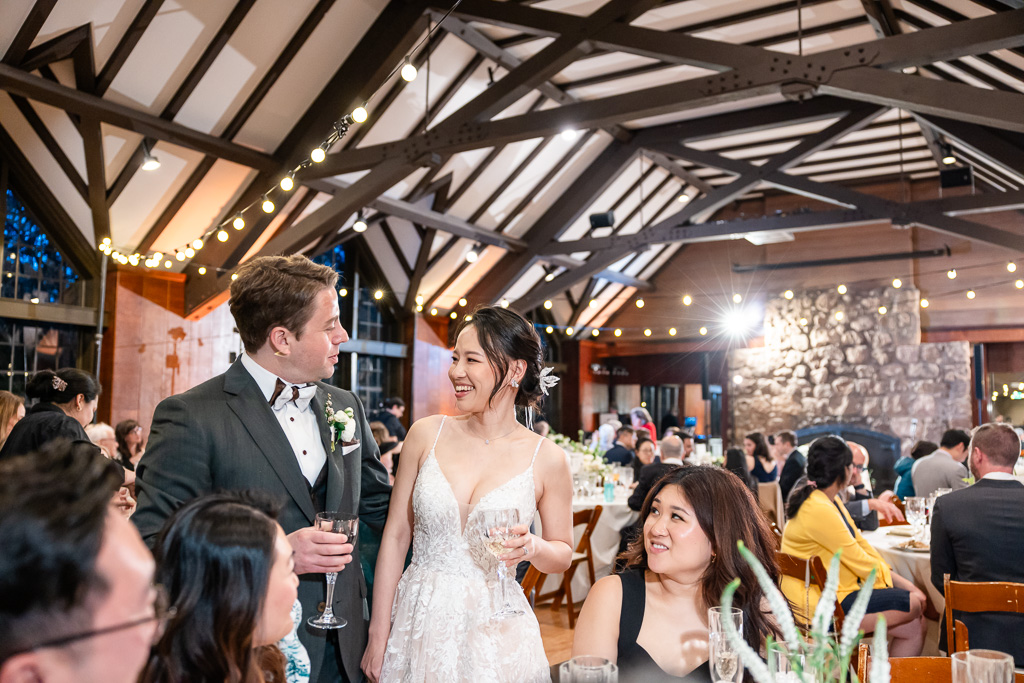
x,y
222,235
647,333
463,302
548,305
671,331
359,114
1011,267
971,294
639,303
238,223
948,158
683,198
288,182
841,289
408,71
882,310
378,295
549,329
504,303
924,303
149,161
569,135
897,283
202,270
618,332
472,255
319,153
197,244
703,331
736,298
687,300
951,273
267,205
360,224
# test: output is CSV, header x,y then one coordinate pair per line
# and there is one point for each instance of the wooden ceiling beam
x,y
30,28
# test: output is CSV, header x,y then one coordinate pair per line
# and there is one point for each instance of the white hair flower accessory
x,y
547,380
61,385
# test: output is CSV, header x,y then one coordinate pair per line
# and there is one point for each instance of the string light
x,y
897,283
463,302
179,256
595,332
593,303
639,303
319,153
841,289
618,332
671,331
378,295
703,331
971,294
924,303
408,71
568,331
359,114
433,311
267,205
197,244
951,273
840,315
548,305
788,294
202,270
1011,267
419,308
167,263
882,310
504,303
549,329
190,252
222,235
288,182
687,300
239,222
647,333
1019,284
454,315
803,322
737,298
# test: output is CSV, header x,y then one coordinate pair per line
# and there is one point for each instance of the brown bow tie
x,y
279,387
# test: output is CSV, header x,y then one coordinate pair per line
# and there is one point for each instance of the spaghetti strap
x,y
443,417
536,451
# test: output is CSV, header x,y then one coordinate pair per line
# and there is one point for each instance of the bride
x,y
440,627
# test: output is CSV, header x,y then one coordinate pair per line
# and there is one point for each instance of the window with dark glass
x,y
31,266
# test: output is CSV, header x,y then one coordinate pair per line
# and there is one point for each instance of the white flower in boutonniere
x,y
342,424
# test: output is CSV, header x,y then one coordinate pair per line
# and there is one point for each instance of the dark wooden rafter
x,y
128,41
395,247
420,267
29,30
52,146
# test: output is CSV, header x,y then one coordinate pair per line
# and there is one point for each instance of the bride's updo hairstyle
x,y
506,336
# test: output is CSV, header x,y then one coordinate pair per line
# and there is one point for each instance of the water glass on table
x,y
916,513
784,666
335,523
588,670
723,657
496,527
982,666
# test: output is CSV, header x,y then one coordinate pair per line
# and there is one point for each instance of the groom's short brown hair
x,y
273,291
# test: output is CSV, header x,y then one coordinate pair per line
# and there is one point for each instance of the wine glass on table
x,y
917,515
335,523
496,527
723,657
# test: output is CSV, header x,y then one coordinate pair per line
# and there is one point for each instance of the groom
x,y
263,425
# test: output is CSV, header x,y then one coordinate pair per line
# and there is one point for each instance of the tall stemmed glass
x,y
723,656
496,527
335,523
917,515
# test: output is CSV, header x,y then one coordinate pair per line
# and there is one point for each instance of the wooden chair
x,y
977,596
770,496
583,553
903,511
533,578
912,669
812,570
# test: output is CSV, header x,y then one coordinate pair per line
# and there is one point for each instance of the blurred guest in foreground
x,y
230,577
759,459
904,481
129,443
652,618
12,409
77,601
978,535
820,525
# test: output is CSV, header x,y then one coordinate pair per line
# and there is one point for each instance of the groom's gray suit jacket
x,y
223,435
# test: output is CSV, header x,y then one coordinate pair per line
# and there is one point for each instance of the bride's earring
x,y
514,383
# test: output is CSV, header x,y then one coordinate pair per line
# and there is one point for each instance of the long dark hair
x,y
506,336
727,513
827,460
62,386
760,446
121,432
736,462
214,557
923,448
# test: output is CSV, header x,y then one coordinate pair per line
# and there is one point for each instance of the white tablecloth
x,y
604,541
914,566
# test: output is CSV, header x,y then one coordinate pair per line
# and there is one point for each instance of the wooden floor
x,y
555,632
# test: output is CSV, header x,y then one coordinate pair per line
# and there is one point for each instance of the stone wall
x,y
831,357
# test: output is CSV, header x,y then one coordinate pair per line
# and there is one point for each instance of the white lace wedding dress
x,y
441,626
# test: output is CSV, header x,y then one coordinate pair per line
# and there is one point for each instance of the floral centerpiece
x,y
589,457
817,656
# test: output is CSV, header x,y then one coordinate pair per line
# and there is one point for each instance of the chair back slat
x,y
977,596
588,517
912,669
812,569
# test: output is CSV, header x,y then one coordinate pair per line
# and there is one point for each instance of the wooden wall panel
x,y
432,392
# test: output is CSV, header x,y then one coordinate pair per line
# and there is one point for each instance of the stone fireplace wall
x,y
831,357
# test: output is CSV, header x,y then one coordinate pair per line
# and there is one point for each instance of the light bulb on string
x,y
1011,267
433,311
618,332
463,302
288,182
647,333
319,153
788,294
595,332
897,283
548,305
925,303
504,303
882,310
841,289
703,331
687,300
197,244
238,223
378,295
167,263
951,273
359,114
343,292
1019,284
408,71
179,256
202,270
189,252
840,315
222,235
267,205
568,331
549,329
453,315
671,331
971,294
106,240
639,303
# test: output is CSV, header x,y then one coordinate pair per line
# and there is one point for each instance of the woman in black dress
x,y
652,618
67,402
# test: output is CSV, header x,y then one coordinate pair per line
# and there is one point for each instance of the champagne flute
x,y
496,528
335,523
916,512
723,657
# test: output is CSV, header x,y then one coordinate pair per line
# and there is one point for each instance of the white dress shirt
x,y
1000,476
300,426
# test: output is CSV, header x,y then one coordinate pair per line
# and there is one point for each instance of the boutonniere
x,y
342,424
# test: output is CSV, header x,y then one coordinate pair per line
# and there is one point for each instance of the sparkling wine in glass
x,y
725,660
496,528
335,523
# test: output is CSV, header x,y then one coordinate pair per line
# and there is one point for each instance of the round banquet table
x,y
912,565
604,541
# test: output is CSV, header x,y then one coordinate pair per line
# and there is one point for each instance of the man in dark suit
x,y
263,424
795,463
978,535
621,452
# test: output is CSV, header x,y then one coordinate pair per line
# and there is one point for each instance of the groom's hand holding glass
x,y
319,552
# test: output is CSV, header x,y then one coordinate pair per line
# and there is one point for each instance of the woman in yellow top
x,y
819,525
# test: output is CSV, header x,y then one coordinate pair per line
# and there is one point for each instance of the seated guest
x,y
67,402
671,458
794,462
641,419
230,577
604,437
943,468
621,452
645,455
76,596
387,445
390,413
687,443
736,462
820,525
652,618
129,443
905,482
103,435
12,409
978,535
861,503
759,460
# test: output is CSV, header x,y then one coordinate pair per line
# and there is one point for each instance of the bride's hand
x,y
521,548
373,660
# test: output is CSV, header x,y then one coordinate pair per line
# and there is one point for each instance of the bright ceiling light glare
x,y
318,154
378,295
924,303
647,333
239,222
788,294
409,72
1011,267
549,329
841,289
618,332
882,310
595,332
951,273
840,315
671,331
687,300
736,322
267,205
897,283
568,331
737,298
359,114
703,331
569,135
1019,284
202,270
287,183
222,235
463,302
639,303
548,305
971,294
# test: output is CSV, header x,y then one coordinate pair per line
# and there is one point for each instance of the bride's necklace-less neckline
x,y
487,442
